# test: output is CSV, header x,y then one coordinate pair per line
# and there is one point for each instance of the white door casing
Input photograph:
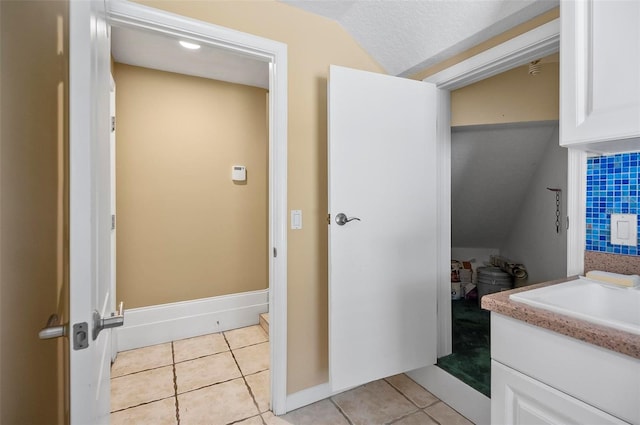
x,y
89,197
534,44
112,209
90,212
382,269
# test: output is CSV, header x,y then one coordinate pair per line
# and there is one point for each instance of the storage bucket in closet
x,y
491,280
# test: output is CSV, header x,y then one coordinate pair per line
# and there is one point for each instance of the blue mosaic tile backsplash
x,y
612,187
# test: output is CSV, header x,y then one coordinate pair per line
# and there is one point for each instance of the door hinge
x,y
113,124
113,222
275,252
80,336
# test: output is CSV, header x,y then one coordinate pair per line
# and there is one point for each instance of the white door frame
x,y
112,207
132,15
539,42
89,244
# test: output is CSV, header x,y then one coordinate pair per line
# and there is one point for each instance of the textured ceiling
x,y
407,36
491,168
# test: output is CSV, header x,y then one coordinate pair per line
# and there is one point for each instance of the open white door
x,y
90,217
382,268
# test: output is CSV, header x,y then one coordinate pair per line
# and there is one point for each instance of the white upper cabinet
x,y
600,75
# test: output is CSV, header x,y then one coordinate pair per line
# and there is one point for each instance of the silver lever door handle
x,y
342,219
53,328
116,319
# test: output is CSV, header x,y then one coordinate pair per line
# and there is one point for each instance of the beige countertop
x,y
602,336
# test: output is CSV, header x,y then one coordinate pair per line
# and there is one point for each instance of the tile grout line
x,y
112,378
208,385
173,364
244,380
340,410
245,346
138,405
395,421
201,357
431,417
210,354
435,421
175,383
139,371
415,404
420,409
448,406
250,417
402,394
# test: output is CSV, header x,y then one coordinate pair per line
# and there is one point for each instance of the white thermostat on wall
x,y
239,173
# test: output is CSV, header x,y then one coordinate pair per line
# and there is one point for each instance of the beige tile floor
x,y
222,379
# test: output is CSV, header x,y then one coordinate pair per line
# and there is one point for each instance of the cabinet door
x,y
517,399
599,71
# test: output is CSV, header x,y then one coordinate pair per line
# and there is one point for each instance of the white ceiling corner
x,y
157,51
406,36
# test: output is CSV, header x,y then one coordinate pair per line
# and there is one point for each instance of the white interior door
x,y
382,268
90,218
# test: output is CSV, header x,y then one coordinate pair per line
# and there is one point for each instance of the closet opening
x,y
507,226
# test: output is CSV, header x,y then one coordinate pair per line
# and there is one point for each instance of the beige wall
x,y
513,96
33,140
184,229
313,43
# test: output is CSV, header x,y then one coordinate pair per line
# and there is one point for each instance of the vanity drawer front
x,y
517,399
602,378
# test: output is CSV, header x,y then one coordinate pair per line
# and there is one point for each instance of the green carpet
x,y
471,358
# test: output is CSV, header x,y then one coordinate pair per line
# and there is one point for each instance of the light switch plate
x,y
296,219
624,229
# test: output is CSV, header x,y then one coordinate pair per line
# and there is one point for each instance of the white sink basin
x,y
608,305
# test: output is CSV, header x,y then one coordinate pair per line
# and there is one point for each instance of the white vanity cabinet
x,y
521,400
600,75
542,377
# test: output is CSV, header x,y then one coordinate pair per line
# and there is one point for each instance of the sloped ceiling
x,y
491,169
409,36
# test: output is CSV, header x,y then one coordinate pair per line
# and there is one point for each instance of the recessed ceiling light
x,y
188,45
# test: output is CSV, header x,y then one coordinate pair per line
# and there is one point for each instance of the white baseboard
x,y
168,322
470,403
